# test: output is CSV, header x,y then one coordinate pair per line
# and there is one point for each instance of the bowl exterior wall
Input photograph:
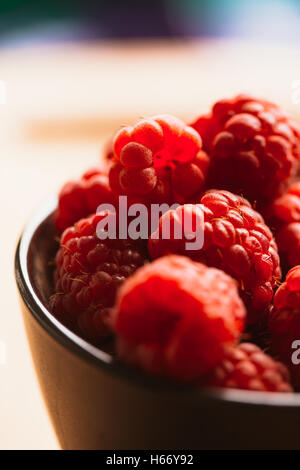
x,y
91,408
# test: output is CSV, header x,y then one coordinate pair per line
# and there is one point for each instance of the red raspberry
x,y
236,240
173,317
158,160
247,367
254,146
284,323
107,155
283,216
288,241
286,208
78,199
88,273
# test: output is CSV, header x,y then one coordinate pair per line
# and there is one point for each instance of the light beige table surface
x,y
62,102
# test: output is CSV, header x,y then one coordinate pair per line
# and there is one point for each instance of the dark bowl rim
x,y
90,353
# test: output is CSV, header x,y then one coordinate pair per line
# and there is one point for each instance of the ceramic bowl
x,y
94,402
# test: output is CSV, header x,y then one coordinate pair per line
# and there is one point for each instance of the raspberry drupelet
x,y
78,199
254,146
247,367
236,240
158,160
88,274
283,216
173,317
284,324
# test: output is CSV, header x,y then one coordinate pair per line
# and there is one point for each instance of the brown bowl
x,y
97,403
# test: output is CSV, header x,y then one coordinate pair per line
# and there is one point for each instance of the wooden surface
x,y
63,102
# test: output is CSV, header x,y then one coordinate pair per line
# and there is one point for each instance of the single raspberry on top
x,y
247,367
283,216
254,146
158,160
174,316
88,273
236,240
284,324
78,199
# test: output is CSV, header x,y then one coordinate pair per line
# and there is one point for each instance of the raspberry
x,y
283,215
236,240
173,317
284,322
288,241
286,209
107,154
88,273
78,199
247,367
254,146
158,160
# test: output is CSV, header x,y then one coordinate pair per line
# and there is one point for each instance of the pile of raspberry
x,y
236,240
205,304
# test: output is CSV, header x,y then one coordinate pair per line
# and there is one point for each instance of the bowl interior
x,y
34,269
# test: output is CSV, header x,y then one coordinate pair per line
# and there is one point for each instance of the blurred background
x,y
73,72
32,21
